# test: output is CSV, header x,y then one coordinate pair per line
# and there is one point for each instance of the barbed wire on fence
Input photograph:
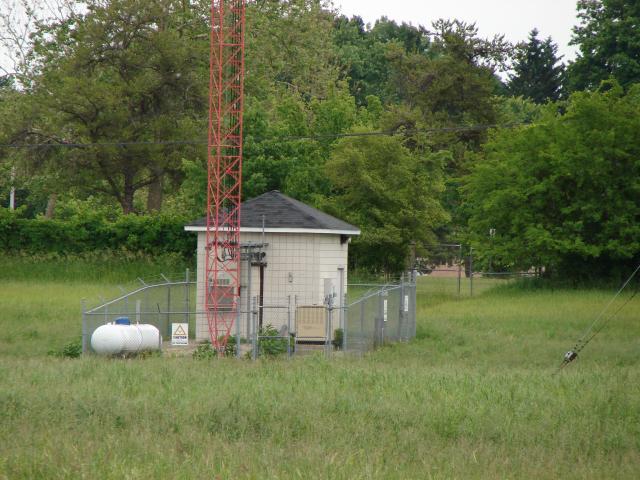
x,y
381,313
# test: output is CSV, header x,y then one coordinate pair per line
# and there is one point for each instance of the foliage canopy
x,y
607,37
562,194
537,75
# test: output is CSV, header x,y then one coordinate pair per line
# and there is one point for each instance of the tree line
x,y
417,134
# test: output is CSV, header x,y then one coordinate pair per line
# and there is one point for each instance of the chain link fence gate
x,y
385,315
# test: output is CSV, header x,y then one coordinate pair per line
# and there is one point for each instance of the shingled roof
x,y
283,214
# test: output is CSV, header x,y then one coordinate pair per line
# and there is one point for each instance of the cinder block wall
x,y
297,265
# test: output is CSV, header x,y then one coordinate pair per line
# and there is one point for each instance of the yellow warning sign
x,y
179,334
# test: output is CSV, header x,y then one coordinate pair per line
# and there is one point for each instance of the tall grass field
x,y
475,395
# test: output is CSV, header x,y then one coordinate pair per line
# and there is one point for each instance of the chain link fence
x,y
447,270
385,315
160,302
377,315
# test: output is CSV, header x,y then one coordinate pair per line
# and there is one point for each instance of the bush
x,y
271,346
72,349
151,234
338,338
206,350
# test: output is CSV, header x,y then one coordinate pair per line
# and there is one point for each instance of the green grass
x,y
109,268
474,396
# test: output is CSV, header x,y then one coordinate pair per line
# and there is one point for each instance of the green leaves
x,y
608,40
86,232
563,193
537,75
391,193
126,71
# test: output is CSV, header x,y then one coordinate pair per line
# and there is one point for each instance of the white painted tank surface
x,y
151,339
113,339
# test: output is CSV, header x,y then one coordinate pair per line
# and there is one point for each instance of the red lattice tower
x,y
222,250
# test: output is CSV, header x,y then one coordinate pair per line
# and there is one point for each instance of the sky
x,y
513,18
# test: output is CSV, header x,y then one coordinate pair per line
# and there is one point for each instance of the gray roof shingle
x,y
281,211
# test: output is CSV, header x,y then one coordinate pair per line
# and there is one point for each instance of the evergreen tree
x,y
537,72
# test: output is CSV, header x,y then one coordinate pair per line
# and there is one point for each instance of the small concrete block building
x,y
302,260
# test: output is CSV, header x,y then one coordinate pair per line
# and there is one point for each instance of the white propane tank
x,y
151,339
114,339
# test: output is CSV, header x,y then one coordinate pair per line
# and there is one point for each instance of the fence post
x,y
289,326
295,310
188,300
471,271
254,316
413,307
138,309
248,292
238,328
345,319
362,321
168,328
85,332
401,309
146,308
327,327
341,297
460,260
378,337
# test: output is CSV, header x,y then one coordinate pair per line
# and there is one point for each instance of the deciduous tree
x,y
607,37
564,193
124,71
390,192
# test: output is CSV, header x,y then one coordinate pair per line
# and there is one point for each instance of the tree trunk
x,y
127,198
154,194
51,206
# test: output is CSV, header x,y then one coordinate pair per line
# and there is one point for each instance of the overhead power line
x,y
462,128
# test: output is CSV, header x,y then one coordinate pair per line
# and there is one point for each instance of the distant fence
x,y
455,282
381,313
450,269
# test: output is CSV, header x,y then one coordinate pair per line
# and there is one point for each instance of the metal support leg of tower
x,y
224,166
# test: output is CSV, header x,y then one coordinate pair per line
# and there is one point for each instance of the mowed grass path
x,y
474,396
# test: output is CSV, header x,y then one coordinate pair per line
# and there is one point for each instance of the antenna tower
x,y
224,167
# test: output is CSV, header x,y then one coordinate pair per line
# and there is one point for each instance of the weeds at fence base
x,y
271,343
73,349
206,351
338,338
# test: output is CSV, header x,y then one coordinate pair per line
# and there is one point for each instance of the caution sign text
x,y
179,334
